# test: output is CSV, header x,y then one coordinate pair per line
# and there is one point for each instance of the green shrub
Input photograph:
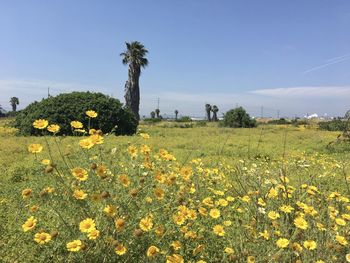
x,y
184,119
334,125
279,121
238,118
152,120
68,107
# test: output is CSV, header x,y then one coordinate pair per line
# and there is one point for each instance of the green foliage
x,y
184,119
334,125
68,107
238,118
152,120
279,121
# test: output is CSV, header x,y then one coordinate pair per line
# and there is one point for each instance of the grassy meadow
x,y
274,193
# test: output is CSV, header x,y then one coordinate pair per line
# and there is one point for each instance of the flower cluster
x,y
139,203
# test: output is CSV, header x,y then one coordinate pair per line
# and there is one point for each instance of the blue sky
x,y
291,56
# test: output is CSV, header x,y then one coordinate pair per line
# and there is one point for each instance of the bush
x,y
238,118
184,119
68,107
279,121
334,125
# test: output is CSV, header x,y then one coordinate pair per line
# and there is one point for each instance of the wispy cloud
x,y
306,92
329,62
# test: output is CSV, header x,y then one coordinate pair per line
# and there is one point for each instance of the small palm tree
x,y
157,113
176,113
14,102
208,110
134,56
215,110
153,114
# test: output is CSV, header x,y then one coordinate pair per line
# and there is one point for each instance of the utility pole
x,y
48,92
158,104
262,111
278,114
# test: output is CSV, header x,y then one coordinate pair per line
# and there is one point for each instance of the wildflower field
x,y
170,194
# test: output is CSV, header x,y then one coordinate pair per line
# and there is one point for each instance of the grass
x,y
234,160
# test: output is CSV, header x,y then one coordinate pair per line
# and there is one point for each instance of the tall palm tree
x,y
176,113
134,56
215,110
153,114
14,102
157,113
208,109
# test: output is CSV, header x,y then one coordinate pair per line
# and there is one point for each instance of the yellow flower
x,y
34,208
101,170
92,131
222,202
310,244
227,223
179,218
124,180
45,161
246,199
229,250
273,215
79,194
144,135
29,224
74,245
208,201
176,245
110,210
282,243
35,148
40,124
26,193
144,149
87,225
76,124
96,139
80,173
261,202
174,258
341,240
159,193
347,257
146,224
273,193
152,251
54,128
286,208
214,213
219,230
91,113
119,224
301,223
120,249
340,222
264,234
132,151
93,234
251,259
86,143
42,238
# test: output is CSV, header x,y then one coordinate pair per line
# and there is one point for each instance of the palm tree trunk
x,y
132,90
208,115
